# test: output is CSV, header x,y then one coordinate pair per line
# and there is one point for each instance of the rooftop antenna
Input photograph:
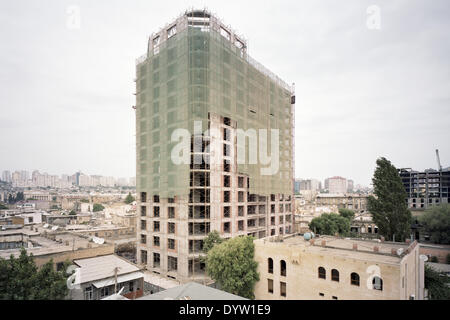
x,y
438,160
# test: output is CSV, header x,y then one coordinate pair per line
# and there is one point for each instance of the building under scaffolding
x,y
197,70
426,189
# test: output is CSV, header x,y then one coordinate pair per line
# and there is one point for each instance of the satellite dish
x,y
55,228
399,251
423,257
98,240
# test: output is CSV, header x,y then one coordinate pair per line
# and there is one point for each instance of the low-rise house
x,y
103,276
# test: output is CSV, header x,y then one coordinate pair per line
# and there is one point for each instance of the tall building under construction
x,y
197,77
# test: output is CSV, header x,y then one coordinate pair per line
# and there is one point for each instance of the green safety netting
x,y
194,73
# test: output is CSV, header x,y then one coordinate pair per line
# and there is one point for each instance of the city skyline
x,y
358,92
36,178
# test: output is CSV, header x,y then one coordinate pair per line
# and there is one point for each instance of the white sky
x,y
66,94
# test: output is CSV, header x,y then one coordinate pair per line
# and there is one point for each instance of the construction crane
x,y
438,160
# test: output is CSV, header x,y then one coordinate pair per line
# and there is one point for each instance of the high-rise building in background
x,y
198,76
427,188
6,176
297,185
336,185
350,186
310,185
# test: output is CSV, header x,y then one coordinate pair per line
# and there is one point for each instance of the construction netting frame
x,y
191,74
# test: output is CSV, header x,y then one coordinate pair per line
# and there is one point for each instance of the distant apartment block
x,y
197,70
336,185
350,186
308,184
426,189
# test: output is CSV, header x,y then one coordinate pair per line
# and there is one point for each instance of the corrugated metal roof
x,y
120,279
192,291
93,269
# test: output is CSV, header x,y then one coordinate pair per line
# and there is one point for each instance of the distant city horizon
x,y
37,178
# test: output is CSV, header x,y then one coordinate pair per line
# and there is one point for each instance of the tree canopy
x,y
20,279
437,284
129,199
331,224
436,222
231,264
2,206
98,207
347,213
389,208
211,240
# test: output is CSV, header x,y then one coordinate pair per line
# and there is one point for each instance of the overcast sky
x,y
66,93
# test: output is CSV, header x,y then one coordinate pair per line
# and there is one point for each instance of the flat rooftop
x,y
345,247
42,245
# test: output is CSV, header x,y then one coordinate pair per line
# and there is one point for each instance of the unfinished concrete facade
x,y
197,71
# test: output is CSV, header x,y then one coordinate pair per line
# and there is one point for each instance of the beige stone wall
x,y
302,279
73,255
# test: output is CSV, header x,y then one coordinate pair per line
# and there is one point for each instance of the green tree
x,y
347,213
330,224
72,213
389,208
98,207
211,240
20,279
436,222
437,284
129,199
231,264
19,196
3,207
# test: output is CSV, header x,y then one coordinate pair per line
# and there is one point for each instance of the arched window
x,y
354,279
335,275
270,265
322,273
377,283
283,268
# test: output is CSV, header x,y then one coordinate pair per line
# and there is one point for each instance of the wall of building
x,y
62,257
302,279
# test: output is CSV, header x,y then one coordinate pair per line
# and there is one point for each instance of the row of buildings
x,y
37,179
332,185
